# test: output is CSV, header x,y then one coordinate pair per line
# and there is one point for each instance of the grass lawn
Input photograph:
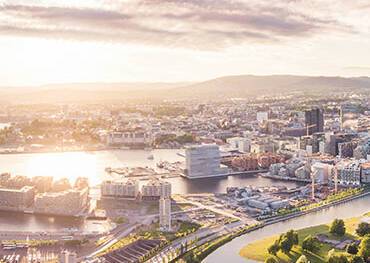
x,y
258,250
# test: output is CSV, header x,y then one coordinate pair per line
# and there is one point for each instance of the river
x,y
230,251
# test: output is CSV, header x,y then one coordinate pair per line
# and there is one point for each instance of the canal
x,y
230,251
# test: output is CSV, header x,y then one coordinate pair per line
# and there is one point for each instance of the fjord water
x,y
92,165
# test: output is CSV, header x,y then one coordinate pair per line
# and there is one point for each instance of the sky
x,y
63,41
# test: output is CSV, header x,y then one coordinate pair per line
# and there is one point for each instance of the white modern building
x,y
262,116
322,172
239,143
204,161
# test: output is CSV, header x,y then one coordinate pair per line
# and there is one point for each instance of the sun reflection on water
x,y
59,165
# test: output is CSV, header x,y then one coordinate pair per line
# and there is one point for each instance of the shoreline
x,y
84,150
281,219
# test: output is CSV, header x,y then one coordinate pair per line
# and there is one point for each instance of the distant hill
x,y
224,87
249,85
84,92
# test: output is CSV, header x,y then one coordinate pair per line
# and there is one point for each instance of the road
x,y
200,237
116,237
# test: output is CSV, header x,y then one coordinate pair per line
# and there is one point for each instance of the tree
x,y
357,259
338,227
338,259
286,245
352,249
364,251
363,229
310,243
273,249
302,259
271,260
292,236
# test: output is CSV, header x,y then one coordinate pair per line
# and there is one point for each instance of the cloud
x,y
207,24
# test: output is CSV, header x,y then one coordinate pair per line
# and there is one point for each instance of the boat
x,y
160,165
125,148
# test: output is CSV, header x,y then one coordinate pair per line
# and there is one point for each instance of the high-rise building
x,y
314,120
203,161
165,213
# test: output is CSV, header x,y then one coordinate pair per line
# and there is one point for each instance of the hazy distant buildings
x,y
314,121
16,199
135,139
203,161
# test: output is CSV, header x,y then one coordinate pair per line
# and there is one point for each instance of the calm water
x,y
92,165
231,249
10,221
4,125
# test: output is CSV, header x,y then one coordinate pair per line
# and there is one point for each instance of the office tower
x,y
314,121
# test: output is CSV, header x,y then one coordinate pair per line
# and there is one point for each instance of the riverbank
x,y
258,251
5,150
284,178
198,256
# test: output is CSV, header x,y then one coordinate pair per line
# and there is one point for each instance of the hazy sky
x,y
53,41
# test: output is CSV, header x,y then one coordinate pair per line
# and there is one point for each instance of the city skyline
x,y
46,42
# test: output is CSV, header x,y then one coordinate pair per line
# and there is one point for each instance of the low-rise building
x,y
155,189
67,203
365,173
349,173
16,199
128,189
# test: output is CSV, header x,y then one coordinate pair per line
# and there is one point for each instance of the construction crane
x,y
308,128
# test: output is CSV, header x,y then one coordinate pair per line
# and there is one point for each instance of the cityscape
x,y
184,131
